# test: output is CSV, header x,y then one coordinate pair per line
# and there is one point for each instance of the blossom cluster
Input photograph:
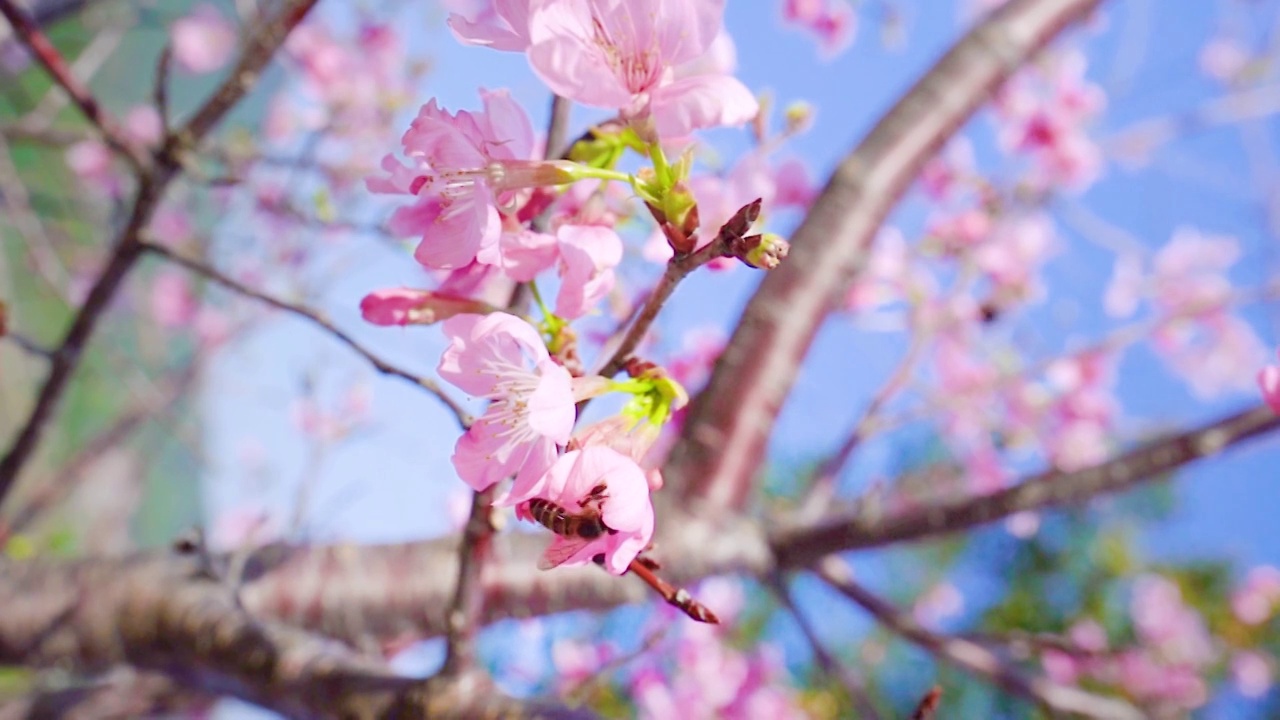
x,y
488,210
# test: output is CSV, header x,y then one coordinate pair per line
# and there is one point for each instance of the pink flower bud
x,y
406,306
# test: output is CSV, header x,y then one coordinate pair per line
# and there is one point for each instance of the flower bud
x,y
519,174
763,252
406,306
799,116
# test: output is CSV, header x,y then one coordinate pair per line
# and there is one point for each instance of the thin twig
x,y
29,346
314,317
822,490
677,269
52,490
66,358
153,178
854,685
50,137
975,659
39,45
160,85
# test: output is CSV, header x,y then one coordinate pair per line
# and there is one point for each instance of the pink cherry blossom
x,y
945,174
173,304
709,678
1254,602
1125,289
831,22
1164,622
622,56
144,125
626,509
1253,672
92,162
406,306
497,24
1044,112
1223,58
940,602
203,40
453,158
588,254
1269,382
500,357
1017,248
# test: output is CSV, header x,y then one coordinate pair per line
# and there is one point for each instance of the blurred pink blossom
x,y
1269,383
173,304
1223,58
1256,599
144,125
1253,672
203,40
92,162
831,22
938,603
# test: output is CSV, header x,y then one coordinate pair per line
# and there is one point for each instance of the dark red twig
x,y
48,56
928,707
677,597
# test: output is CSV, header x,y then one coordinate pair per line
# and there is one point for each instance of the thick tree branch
x,y
122,695
730,423
173,618
397,592
979,661
405,591
1054,488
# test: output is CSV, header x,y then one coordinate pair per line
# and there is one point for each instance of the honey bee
x,y
574,530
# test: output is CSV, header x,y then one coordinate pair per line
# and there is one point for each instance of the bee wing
x,y
560,550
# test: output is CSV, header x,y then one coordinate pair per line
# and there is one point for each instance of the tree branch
x,y
403,591
56,487
38,44
1054,488
153,178
854,685
979,661
172,618
730,422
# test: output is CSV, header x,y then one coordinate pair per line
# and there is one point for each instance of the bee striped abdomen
x,y
562,522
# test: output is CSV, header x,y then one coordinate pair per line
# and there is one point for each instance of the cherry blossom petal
x,y
701,101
